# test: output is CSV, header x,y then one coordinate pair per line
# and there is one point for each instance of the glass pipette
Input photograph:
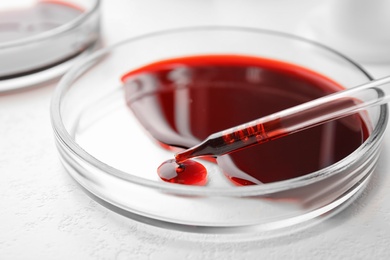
x,y
291,120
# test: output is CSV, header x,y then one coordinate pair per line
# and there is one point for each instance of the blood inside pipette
x,y
271,127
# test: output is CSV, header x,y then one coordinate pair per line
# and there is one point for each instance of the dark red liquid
x,y
182,101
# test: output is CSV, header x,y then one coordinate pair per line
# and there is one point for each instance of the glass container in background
x,y
40,40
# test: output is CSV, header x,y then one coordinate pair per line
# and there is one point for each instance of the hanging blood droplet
x,y
188,172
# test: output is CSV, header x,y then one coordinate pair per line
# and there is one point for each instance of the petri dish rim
x,y
65,138
55,31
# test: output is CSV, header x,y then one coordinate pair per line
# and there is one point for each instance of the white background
x,y
45,215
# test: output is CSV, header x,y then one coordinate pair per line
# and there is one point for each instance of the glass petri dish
x,y
41,39
104,148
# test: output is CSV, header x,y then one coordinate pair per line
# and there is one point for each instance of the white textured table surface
x,y
45,215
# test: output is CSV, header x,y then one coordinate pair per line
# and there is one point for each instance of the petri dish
x,y
104,147
40,40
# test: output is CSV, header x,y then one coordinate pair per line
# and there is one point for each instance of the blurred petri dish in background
x,y
40,40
